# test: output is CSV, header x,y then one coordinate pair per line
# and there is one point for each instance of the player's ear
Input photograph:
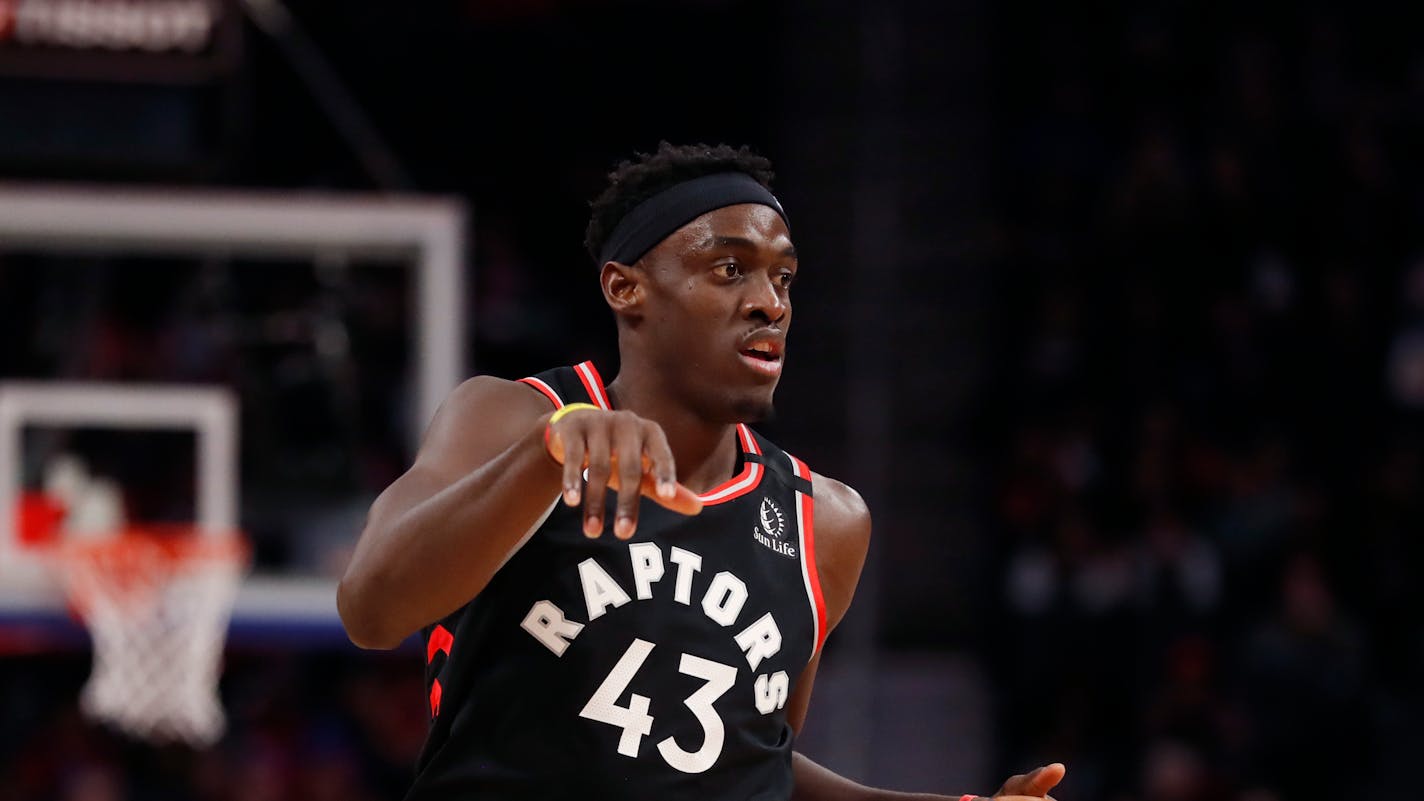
x,y
622,287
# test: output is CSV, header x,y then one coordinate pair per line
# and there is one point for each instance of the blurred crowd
x,y
1203,448
314,726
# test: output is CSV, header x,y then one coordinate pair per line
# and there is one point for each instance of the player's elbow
x,y
361,616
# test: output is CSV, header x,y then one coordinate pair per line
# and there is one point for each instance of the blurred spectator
x,y
1304,681
1406,352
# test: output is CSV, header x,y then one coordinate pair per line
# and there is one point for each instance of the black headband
x,y
651,221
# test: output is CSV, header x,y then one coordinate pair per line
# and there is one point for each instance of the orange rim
x,y
137,560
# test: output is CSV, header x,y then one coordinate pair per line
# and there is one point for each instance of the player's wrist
x,y
568,409
556,451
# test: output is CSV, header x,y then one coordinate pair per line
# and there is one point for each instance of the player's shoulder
x,y
842,521
840,509
491,393
482,410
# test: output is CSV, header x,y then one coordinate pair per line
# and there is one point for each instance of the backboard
x,y
423,238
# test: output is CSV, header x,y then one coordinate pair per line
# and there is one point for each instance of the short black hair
x,y
647,174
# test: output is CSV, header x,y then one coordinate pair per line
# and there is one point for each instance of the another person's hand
x,y
1031,786
621,451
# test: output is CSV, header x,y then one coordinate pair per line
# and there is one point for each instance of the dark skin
x,y
702,320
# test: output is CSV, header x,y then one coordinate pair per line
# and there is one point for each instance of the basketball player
x,y
624,589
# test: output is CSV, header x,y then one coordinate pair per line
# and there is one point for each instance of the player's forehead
x,y
747,226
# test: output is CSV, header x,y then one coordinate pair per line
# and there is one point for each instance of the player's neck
x,y
706,453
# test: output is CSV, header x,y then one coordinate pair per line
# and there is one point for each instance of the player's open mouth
x,y
763,357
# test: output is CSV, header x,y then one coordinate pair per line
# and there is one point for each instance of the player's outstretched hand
x,y
623,452
1032,786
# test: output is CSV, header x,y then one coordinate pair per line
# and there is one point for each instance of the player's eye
x,y
729,270
784,279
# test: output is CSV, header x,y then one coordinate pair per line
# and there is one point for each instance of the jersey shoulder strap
x,y
782,466
786,470
580,383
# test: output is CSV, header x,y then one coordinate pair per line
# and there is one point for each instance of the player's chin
x,y
754,408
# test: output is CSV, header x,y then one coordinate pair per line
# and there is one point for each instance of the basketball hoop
x,y
156,601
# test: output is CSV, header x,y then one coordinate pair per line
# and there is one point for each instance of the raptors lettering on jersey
x,y
721,602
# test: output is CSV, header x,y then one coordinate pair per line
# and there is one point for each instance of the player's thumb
x,y
1036,782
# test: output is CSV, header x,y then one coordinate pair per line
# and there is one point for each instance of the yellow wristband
x,y
568,409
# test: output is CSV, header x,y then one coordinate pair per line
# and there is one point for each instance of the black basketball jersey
x,y
652,668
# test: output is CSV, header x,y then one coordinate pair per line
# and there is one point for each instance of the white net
x,y
158,609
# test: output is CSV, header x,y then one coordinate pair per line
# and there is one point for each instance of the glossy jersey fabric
x,y
654,668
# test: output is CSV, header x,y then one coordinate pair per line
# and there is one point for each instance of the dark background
x,y
1115,315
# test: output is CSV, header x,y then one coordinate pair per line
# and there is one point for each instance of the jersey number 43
x,y
635,721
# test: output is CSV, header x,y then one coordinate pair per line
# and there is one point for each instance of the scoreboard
x,y
144,25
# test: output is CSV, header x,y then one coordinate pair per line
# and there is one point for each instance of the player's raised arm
x,y
488,471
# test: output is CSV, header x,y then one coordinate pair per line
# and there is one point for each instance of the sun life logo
x,y
772,528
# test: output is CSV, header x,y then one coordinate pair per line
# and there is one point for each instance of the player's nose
x,y
764,301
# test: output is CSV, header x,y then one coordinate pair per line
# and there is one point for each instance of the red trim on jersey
x,y
593,382
743,482
545,389
440,640
736,487
749,442
435,698
808,517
